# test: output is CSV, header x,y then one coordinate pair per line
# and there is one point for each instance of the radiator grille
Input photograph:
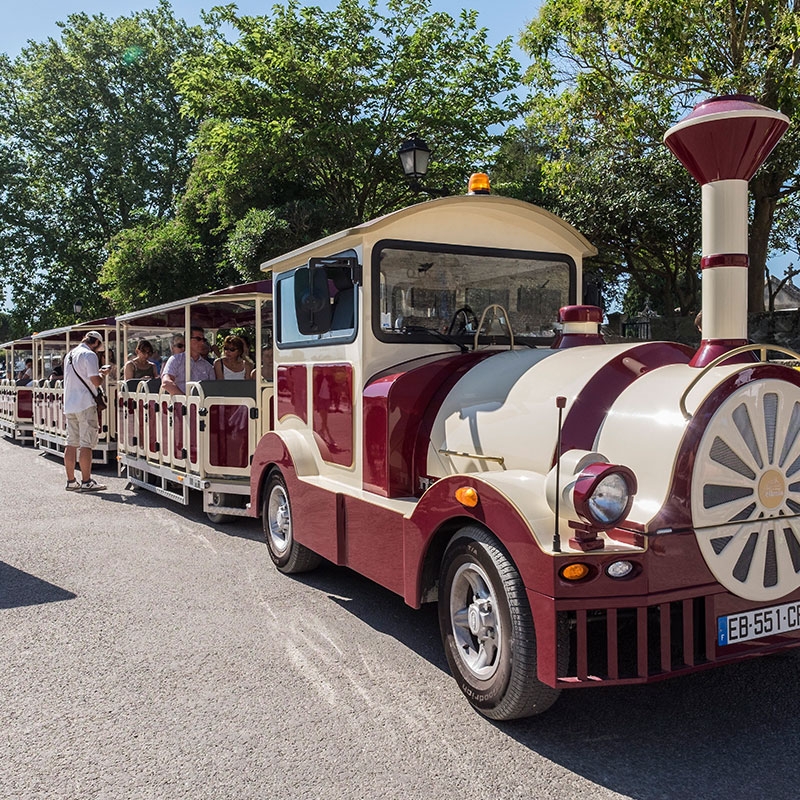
x,y
634,644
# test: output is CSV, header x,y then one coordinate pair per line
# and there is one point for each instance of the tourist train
x,y
444,417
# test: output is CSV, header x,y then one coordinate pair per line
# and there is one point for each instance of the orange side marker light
x,y
574,572
467,496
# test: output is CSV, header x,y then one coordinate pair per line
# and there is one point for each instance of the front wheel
x,y
276,518
487,629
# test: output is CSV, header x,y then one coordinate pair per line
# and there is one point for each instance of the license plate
x,y
755,624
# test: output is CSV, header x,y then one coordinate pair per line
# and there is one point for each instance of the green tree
x,y
635,203
303,112
623,71
150,265
92,142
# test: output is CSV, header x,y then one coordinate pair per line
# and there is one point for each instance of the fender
x,y
288,449
438,510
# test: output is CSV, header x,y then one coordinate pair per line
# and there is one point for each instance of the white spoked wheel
x,y
746,491
276,516
487,629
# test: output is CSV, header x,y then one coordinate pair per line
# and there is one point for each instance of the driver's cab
x,y
455,278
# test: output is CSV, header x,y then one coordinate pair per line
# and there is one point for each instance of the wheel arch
x,y
438,516
286,451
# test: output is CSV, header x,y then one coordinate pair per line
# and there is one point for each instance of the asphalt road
x,y
145,653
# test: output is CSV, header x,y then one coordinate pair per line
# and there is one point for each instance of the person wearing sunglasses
x,y
173,376
231,366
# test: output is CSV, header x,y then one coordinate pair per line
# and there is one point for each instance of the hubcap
x,y
279,520
474,621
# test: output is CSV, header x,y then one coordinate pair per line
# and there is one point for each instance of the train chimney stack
x,y
722,142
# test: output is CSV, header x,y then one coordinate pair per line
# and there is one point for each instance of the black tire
x,y
487,629
217,518
276,518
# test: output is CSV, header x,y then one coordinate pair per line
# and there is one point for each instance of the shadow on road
x,y
18,588
729,732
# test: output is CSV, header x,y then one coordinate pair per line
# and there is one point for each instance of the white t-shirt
x,y
78,397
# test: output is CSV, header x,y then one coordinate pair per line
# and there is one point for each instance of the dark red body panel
x,y
291,391
399,410
25,403
588,412
228,435
332,412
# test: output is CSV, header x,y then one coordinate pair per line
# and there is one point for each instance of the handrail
x,y
747,348
503,319
499,459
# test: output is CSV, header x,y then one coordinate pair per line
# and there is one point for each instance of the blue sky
x,y
36,19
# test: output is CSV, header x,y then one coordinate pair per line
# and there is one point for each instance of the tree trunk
x,y
764,189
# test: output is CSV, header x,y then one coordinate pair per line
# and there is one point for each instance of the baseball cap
x,y
98,336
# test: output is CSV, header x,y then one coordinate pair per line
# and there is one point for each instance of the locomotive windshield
x,y
427,292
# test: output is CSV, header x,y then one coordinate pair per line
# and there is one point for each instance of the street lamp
x,y
77,307
414,156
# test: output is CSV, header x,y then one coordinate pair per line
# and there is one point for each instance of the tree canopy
x,y
302,111
608,77
92,141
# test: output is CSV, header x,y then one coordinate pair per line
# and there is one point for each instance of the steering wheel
x,y
467,316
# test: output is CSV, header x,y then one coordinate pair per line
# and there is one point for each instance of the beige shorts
x,y
83,428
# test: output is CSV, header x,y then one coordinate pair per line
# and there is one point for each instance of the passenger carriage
x,y
204,439
584,513
51,348
16,402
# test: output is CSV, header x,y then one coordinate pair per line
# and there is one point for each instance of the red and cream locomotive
x,y
584,513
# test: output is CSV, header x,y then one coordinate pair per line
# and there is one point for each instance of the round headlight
x,y
603,494
609,500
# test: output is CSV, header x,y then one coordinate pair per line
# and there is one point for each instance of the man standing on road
x,y
81,372
173,376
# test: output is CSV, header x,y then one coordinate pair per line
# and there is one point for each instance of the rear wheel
x,y
276,517
229,500
487,629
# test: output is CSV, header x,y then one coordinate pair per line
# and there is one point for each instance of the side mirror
x,y
312,300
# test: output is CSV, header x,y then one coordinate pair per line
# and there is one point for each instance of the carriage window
x,y
426,292
339,321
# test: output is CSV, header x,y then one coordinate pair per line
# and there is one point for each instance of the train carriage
x,y
584,513
203,439
16,401
50,351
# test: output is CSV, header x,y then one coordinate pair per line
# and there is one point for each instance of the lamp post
x,y
414,157
77,307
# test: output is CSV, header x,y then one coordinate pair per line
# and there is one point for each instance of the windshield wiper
x,y
442,337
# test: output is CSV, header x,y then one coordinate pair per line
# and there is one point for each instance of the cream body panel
x,y
725,207
479,221
526,492
644,428
505,407
724,297
485,221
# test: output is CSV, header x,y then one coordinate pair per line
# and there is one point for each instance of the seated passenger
x,y
177,345
267,364
173,376
57,372
140,366
232,366
26,374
